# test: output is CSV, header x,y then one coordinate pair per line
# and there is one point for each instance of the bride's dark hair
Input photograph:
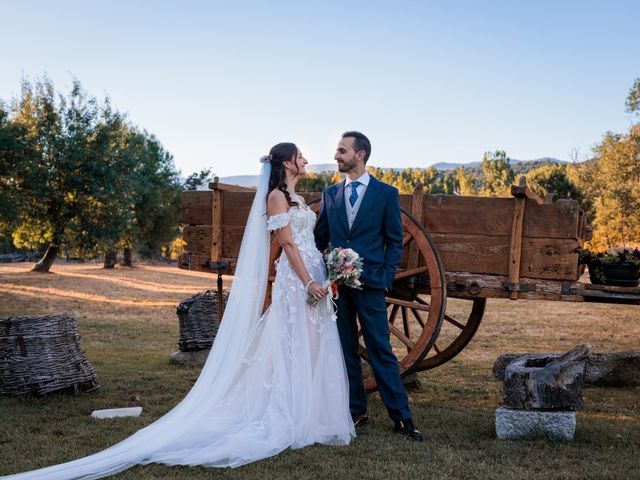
x,y
282,152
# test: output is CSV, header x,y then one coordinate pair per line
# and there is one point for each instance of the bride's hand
x,y
317,291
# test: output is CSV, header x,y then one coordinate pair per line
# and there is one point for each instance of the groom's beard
x,y
346,165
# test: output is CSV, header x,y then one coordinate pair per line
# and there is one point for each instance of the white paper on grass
x,y
117,412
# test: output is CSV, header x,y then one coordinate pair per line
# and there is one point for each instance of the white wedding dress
x,y
270,382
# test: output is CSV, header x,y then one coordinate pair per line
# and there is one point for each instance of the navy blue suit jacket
x,y
376,233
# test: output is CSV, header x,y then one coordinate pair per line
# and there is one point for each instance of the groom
x,y
363,214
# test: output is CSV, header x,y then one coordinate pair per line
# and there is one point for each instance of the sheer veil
x,y
181,436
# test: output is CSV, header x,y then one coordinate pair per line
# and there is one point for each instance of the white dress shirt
x,y
361,188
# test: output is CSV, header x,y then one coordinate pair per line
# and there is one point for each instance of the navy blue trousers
x,y
369,307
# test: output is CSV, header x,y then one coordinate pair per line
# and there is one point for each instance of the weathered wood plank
x,y
191,261
198,238
493,216
549,258
217,240
472,285
196,207
232,239
522,191
413,259
236,208
515,250
216,185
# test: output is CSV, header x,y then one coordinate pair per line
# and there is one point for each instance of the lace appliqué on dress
x,y
278,221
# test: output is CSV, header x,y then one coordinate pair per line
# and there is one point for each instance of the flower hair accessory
x,y
265,158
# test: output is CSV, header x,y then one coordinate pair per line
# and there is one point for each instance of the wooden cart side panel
x,y
236,208
544,258
198,238
219,235
196,207
494,216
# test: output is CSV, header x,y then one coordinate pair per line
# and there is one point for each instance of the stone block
x,y
512,424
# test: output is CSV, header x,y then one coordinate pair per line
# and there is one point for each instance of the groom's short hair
x,y
360,142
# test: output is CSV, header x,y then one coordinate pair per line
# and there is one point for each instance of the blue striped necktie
x,y
353,198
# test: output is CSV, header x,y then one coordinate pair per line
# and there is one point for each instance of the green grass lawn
x,y
128,329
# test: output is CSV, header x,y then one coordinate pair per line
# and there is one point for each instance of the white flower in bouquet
x,y
344,267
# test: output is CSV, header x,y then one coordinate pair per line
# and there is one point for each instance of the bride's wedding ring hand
x,y
317,291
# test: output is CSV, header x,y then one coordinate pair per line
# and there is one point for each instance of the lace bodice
x,y
301,220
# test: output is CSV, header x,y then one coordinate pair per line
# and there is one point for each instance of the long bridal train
x,y
270,382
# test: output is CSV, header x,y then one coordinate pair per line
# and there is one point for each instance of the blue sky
x,y
427,81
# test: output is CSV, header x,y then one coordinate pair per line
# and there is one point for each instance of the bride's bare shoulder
x,y
277,202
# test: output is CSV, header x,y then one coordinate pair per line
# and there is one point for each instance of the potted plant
x,y
615,267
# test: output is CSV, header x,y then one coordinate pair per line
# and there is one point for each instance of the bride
x,y
270,382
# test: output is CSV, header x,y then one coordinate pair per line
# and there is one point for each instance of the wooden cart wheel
x,y
461,321
413,326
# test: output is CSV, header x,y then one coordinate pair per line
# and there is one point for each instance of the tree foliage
x,y
498,176
197,179
633,98
81,178
465,182
613,181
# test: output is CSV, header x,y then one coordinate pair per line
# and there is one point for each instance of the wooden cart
x,y
459,251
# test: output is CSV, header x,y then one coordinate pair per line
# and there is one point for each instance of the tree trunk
x,y
44,264
110,258
127,259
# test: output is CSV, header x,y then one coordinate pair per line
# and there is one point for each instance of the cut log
x,y
614,369
542,382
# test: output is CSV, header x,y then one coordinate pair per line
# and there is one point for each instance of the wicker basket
x,y
41,354
198,316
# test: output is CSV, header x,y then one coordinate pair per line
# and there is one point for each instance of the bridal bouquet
x,y
344,267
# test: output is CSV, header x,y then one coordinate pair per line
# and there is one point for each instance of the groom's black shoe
x,y
408,429
360,419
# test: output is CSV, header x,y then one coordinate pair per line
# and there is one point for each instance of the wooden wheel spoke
x,y
362,352
417,317
453,322
411,272
401,336
405,303
423,302
394,313
453,344
406,238
405,323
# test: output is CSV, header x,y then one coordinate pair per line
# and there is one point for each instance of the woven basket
x,y
41,354
198,316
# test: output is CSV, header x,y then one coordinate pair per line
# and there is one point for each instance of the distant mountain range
x,y
452,166
251,180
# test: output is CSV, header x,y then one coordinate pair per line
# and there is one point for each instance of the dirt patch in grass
x,y
129,327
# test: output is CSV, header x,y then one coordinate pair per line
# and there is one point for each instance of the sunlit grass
x,y
128,328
